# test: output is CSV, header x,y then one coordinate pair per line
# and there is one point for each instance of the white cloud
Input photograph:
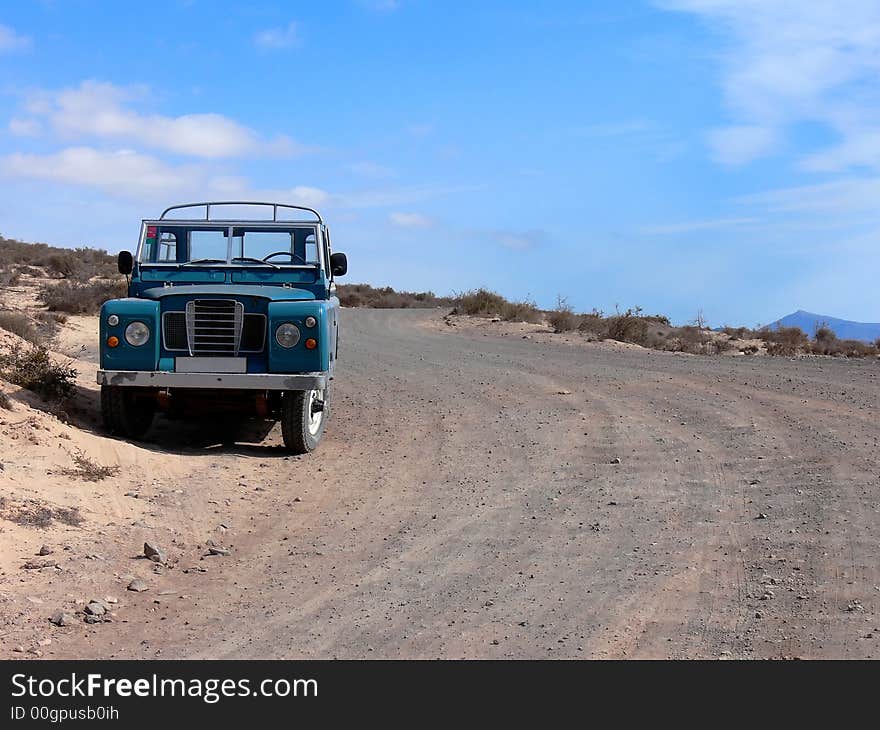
x,y
739,145
274,38
381,6
399,196
860,148
700,225
305,195
519,240
615,129
25,127
12,41
371,169
420,130
410,220
96,109
124,173
845,195
792,61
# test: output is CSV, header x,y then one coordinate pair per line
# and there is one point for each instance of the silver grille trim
x,y
213,326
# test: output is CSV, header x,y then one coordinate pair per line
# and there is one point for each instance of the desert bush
x,y
524,311
9,277
86,469
629,326
691,339
34,370
784,341
593,324
563,318
479,303
80,298
51,318
364,295
825,341
59,264
831,345
82,263
738,333
857,348
35,513
19,324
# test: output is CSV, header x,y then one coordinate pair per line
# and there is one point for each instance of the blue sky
x,y
680,155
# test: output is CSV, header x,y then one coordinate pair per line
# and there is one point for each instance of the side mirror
x,y
125,262
338,264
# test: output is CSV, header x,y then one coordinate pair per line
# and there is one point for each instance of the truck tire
x,y
303,416
123,415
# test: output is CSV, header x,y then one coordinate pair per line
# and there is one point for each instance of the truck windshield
x,y
215,245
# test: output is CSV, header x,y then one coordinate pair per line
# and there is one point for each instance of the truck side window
x,y
327,253
311,248
167,247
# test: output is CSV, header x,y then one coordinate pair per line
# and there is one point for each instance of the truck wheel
x,y
123,415
303,415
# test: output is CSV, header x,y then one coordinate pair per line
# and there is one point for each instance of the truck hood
x,y
273,293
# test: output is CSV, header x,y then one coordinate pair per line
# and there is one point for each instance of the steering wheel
x,y
293,256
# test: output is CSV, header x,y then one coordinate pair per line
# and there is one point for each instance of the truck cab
x,y
225,313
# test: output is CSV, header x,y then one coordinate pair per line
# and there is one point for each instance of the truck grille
x,y
175,333
174,330
213,326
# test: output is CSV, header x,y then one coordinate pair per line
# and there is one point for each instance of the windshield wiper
x,y
203,261
256,261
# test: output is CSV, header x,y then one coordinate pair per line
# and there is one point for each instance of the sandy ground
x,y
467,501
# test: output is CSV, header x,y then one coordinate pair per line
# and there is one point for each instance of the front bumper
x,y
232,381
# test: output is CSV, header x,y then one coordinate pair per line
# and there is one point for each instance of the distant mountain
x,y
843,328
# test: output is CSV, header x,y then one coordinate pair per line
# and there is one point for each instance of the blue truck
x,y
234,314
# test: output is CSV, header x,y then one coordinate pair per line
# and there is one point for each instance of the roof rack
x,y
209,204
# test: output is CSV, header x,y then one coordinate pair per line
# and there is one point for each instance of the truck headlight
x,y
310,321
287,335
137,334
113,320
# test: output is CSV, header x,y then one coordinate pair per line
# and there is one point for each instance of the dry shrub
x,y
593,324
364,295
524,311
739,333
81,297
34,513
691,339
34,370
857,348
19,324
479,303
59,264
563,318
784,341
10,277
831,345
82,263
485,303
89,470
825,341
629,326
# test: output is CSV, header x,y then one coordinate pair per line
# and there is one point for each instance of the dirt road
x,y
485,495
